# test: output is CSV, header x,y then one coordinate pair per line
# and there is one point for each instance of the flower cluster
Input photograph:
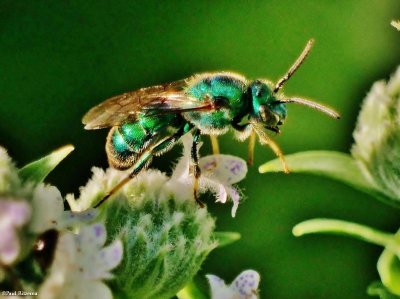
x,y
80,264
157,235
32,218
165,235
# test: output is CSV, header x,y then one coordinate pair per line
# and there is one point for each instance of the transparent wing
x,y
167,98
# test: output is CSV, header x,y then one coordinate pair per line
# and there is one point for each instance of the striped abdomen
x,y
126,143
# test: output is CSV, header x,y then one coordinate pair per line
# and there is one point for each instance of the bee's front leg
x,y
195,166
252,143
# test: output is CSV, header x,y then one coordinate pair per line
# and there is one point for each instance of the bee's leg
x,y
137,167
278,152
214,144
252,142
195,166
265,139
141,163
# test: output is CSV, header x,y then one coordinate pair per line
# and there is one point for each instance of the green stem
x,y
362,232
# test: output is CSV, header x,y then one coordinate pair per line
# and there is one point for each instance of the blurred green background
x,y
59,58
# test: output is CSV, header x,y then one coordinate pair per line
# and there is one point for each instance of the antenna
x,y
332,113
295,66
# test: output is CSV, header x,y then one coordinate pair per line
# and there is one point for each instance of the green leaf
x,y
335,165
389,269
378,289
38,170
388,263
340,227
190,291
226,238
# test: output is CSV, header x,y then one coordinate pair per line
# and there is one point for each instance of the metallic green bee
x,y
149,121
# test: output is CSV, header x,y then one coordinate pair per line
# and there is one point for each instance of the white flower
x,y
47,206
244,286
13,215
218,173
80,264
48,210
147,184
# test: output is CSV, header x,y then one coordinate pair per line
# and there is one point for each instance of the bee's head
x,y
266,108
268,105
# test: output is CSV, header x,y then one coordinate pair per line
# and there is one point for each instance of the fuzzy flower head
x,y
244,286
81,263
377,136
165,238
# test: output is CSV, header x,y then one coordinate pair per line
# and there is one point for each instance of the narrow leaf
x,y
340,227
226,238
335,165
190,291
38,170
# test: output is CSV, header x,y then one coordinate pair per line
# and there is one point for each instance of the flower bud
x,y
165,237
377,136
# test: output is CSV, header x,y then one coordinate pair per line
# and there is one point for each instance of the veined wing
x,y
167,98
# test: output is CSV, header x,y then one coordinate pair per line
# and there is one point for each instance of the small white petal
x,y
246,284
225,168
47,208
80,263
92,236
214,186
181,169
93,289
108,258
234,194
70,218
218,288
218,173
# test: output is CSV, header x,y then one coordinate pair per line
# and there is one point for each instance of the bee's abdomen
x,y
126,143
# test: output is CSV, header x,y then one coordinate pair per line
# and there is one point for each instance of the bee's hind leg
x,y
138,166
194,155
142,162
